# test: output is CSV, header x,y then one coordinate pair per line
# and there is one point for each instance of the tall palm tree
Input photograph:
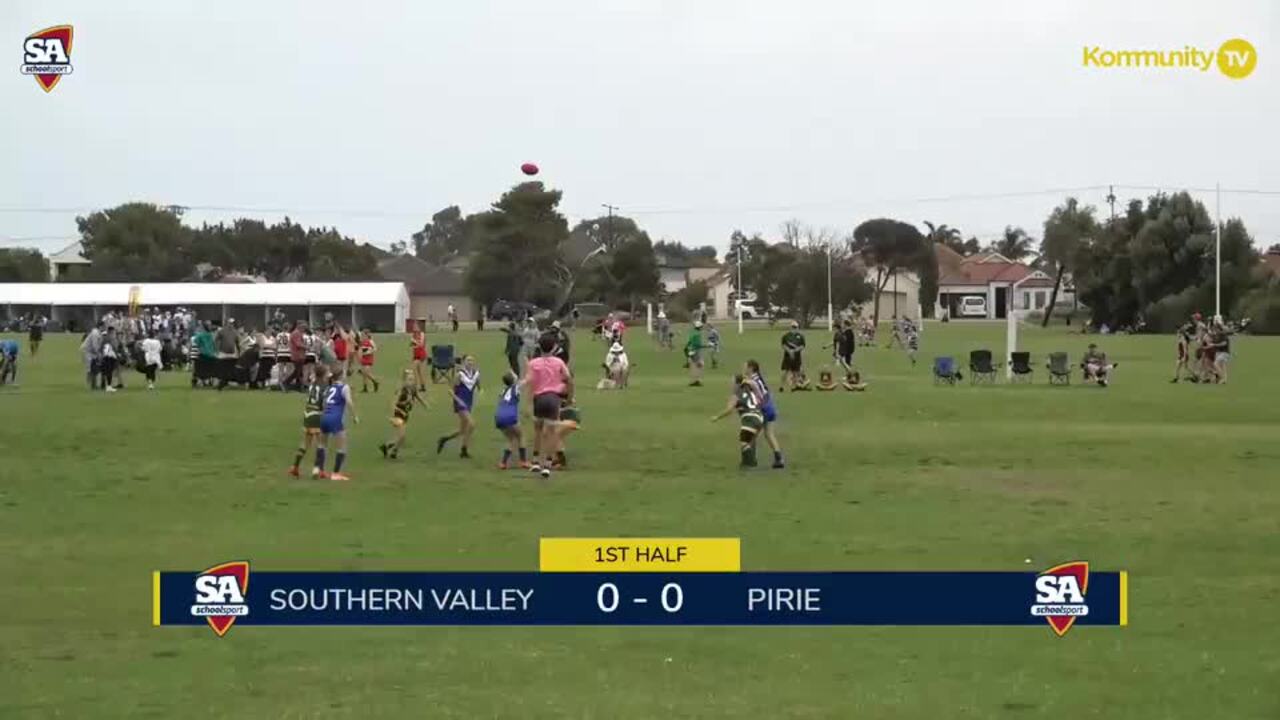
x,y
1015,244
946,235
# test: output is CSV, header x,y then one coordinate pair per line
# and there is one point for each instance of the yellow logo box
x,y
640,554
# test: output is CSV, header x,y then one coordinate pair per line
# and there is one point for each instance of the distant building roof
x,y
948,259
72,254
979,269
421,277
1271,261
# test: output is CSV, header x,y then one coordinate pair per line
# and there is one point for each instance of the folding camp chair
x,y
982,367
944,370
1059,369
1020,364
442,363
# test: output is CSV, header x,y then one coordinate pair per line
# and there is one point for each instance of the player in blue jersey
x,y
465,387
507,419
767,408
8,361
337,401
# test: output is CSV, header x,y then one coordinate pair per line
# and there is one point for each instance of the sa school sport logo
x,y
1060,592
220,595
47,55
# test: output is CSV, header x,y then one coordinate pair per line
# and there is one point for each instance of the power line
x,y
860,203
654,210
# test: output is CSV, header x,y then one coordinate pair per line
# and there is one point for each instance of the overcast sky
x,y
694,116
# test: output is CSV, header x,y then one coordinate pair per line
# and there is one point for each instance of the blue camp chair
x,y
944,370
442,363
982,367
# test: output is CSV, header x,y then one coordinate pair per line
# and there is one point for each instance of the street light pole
x,y
831,318
1217,252
738,302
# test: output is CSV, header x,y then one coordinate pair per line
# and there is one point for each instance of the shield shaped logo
x,y
46,54
1062,590
220,595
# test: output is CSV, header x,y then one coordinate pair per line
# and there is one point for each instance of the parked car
x,y
515,310
973,306
591,313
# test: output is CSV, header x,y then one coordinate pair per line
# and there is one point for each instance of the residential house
x,y
900,297
67,260
992,276
432,289
1271,262
675,274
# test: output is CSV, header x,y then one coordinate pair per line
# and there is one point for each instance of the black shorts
x,y
791,363
846,357
546,406
36,334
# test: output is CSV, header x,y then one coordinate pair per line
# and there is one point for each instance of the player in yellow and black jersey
x,y
401,405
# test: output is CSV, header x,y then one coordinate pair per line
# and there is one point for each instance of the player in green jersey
x,y
312,412
693,354
743,400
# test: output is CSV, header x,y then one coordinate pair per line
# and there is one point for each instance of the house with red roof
x,y
995,279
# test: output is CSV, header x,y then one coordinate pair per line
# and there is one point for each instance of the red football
x,y
529,169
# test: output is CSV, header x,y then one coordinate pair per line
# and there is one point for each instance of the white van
x,y
973,306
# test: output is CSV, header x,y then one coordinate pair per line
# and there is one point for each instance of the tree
x,y
946,235
927,270
517,252
1067,227
888,246
443,238
703,256
136,242
1155,265
1014,244
802,280
608,231
399,247
792,230
23,265
283,252
634,269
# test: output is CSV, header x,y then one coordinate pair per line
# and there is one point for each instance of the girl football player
x,y
743,400
368,348
400,407
507,419
464,398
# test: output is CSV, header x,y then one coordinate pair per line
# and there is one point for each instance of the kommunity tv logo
x,y
1236,58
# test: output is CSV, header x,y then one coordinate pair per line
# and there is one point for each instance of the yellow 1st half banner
x,y
640,554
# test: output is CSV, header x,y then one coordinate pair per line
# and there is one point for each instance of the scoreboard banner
x,y
651,588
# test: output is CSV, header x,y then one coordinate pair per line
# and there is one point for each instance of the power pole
x,y
1111,200
610,208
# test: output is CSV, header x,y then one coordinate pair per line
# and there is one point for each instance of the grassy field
x,y
1175,483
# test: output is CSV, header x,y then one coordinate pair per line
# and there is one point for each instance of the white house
x,y
65,259
993,277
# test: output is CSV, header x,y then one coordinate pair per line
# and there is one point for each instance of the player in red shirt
x,y
340,347
418,344
367,350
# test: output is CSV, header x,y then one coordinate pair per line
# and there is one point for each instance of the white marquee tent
x,y
380,305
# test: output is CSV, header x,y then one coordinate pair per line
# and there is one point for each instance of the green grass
x,y
1175,483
